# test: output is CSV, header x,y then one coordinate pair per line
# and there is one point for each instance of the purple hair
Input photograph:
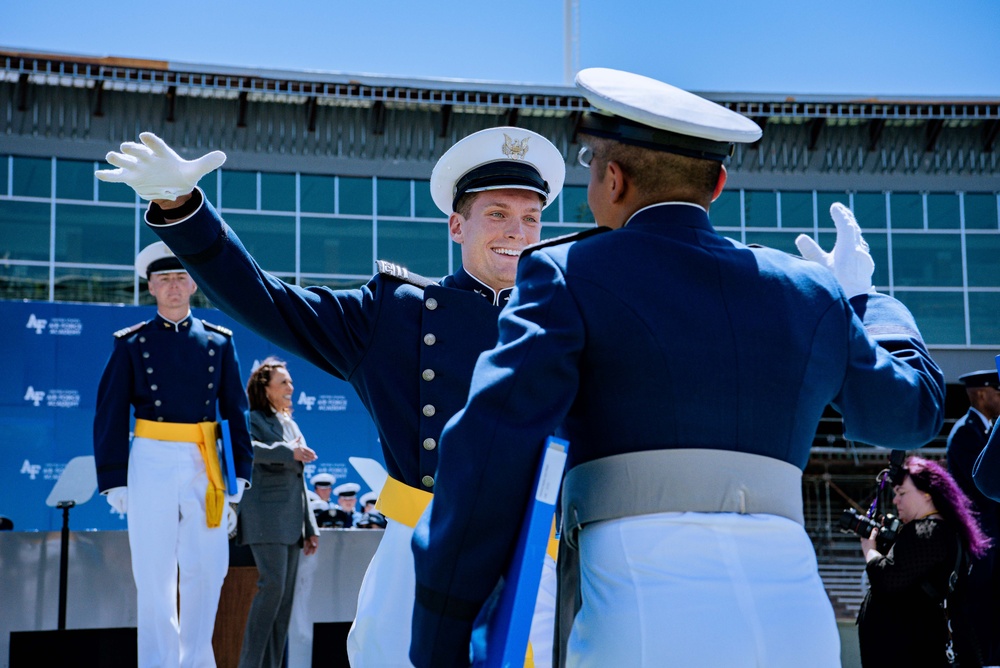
x,y
949,499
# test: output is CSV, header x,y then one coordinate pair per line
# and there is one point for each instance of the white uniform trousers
x,y
380,634
167,531
701,589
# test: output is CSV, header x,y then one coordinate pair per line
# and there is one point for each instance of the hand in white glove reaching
x,y
118,499
155,171
850,261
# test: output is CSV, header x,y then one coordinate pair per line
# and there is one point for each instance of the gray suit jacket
x,y
275,508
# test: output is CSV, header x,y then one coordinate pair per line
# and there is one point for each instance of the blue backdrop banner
x,y
56,353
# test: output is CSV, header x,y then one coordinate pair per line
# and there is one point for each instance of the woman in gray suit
x,y
274,515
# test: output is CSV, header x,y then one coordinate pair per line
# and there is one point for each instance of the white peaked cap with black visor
x,y
498,159
634,109
156,258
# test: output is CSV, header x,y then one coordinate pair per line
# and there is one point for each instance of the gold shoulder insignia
x,y
217,328
565,239
128,330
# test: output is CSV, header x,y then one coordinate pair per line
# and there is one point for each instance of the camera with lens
x,y
888,525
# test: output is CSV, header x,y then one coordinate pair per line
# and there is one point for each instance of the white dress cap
x,y
322,479
156,258
655,104
347,489
495,159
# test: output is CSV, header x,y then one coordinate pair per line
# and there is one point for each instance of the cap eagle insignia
x,y
515,149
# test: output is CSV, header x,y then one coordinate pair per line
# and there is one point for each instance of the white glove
x,y
241,484
118,499
231,519
849,260
155,171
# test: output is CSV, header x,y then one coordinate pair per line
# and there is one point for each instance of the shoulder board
x,y
401,273
128,330
217,328
565,239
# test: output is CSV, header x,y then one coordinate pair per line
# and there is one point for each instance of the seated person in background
x,y
370,517
322,487
343,513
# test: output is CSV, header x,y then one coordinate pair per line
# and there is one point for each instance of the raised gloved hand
x,y
118,499
850,261
155,171
241,484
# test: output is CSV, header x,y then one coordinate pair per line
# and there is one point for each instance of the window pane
x,y
907,211
878,247
761,208
270,239
725,211
25,228
423,204
116,192
95,234
94,285
575,208
239,190
318,193
942,211
393,197
20,282
277,192
939,315
337,246
75,180
210,186
796,209
982,251
32,177
824,200
980,211
783,241
869,209
984,325
355,196
926,259
420,247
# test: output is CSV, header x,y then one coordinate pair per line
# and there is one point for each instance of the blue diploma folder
x,y
224,446
509,628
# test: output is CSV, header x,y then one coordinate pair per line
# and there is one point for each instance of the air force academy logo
x,y
37,324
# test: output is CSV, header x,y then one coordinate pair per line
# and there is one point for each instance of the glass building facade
x,y
68,237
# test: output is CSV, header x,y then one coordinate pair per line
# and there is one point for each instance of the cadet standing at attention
x,y
405,343
175,370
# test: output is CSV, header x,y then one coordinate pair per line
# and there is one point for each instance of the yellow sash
x,y
402,503
203,434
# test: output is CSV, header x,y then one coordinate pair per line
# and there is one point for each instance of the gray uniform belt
x,y
662,481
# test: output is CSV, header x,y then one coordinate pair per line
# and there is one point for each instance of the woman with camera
x,y
912,612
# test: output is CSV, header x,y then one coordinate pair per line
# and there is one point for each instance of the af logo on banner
x,y
34,396
306,400
37,324
31,469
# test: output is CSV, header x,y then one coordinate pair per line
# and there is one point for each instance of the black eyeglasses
x,y
585,156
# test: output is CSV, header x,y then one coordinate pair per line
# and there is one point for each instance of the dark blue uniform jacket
x,y
408,351
662,334
169,374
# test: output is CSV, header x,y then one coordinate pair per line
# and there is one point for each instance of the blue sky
x,y
872,47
